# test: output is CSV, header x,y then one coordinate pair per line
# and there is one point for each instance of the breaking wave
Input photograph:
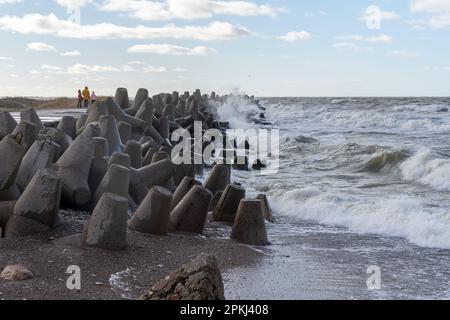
x,y
425,168
399,216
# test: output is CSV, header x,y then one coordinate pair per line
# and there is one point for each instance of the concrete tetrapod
x,y
30,115
266,209
145,112
141,96
121,159
218,178
6,211
152,216
134,150
7,124
115,110
191,213
40,156
249,226
107,227
94,113
122,98
74,167
12,150
124,131
143,179
81,122
226,208
38,208
185,186
99,164
116,181
109,131
29,132
69,126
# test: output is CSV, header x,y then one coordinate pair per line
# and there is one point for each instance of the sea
x,y
361,199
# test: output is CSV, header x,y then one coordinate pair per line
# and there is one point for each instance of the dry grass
x,y
18,104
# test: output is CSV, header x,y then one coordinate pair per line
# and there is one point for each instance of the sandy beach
x,y
110,275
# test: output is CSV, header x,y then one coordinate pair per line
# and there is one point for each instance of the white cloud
x,y
40,46
73,4
188,9
50,67
404,54
151,69
439,11
167,49
180,70
136,62
369,16
52,25
349,46
74,53
383,38
296,36
9,1
5,58
84,69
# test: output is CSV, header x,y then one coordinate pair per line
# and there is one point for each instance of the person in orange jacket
x,y
86,97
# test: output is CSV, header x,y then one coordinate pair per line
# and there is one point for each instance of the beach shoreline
x,y
110,275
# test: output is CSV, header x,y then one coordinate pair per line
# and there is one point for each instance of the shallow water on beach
x,y
362,182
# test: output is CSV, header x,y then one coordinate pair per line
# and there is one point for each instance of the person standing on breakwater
x,y
86,97
93,97
80,99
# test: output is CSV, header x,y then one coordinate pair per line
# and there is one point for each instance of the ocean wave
x,y
425,168
399,216
384,161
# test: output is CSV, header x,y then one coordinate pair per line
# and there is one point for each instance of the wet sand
x,y
107,275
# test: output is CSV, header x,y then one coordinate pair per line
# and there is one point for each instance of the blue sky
x,y
266,48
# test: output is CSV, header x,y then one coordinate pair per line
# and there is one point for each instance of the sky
x,y
263,48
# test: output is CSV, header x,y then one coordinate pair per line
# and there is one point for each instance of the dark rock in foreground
x,y
199,279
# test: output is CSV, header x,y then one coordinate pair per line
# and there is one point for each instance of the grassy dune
x,y
17,104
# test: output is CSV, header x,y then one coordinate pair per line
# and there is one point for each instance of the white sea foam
x,y
426,169
399,216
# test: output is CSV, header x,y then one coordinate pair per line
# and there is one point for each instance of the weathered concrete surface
x,y
115,110
6,211
145,112
94,113
74,167
119,158
185,186
266,208
30,115
40,156
12,149
218,178
124,131
122,98
29,132
191,213
38,207
116,181
7,124
227,207
109,131
152,216
107,227
198,280
249,226
141,96
134,150
68,124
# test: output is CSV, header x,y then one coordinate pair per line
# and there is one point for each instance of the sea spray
x,y
398,216
423,167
